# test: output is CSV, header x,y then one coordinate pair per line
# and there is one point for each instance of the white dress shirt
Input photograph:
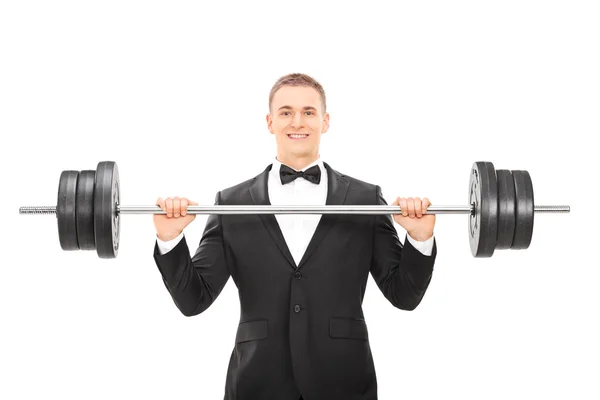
x,y
297,229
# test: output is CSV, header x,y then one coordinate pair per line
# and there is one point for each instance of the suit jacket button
x,y
298,274
297,308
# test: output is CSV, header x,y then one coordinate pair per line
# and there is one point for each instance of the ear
x,y
269,123
325,123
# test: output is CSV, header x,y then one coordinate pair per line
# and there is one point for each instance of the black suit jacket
x,y
302,330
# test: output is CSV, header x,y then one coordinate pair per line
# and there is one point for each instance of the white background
x,y
177,92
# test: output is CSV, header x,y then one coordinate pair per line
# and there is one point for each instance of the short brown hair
x,y
297,79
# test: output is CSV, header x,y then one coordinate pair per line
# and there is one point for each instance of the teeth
x,y
298,136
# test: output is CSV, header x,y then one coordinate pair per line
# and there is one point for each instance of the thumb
x,y
397,203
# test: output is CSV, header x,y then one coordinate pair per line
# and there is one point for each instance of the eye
x,y
309,112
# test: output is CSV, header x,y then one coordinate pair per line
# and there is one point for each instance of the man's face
x,y
297,109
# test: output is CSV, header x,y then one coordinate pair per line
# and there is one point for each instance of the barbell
x,y
501,209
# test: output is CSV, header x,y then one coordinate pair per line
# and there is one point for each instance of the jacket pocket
x,y
348,327
252,330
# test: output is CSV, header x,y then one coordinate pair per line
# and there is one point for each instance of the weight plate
x,y
85,210
66,214
506,209
524,210
483,222
106,218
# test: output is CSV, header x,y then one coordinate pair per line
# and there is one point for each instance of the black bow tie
x,y
287,174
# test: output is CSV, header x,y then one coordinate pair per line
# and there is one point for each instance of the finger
x,y
396,203
161,203
176,207
169,207
418,207
403,207
184,206
411,207
426,204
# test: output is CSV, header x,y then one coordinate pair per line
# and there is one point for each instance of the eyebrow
x,y
304,108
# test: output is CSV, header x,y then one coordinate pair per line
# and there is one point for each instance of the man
x,y
301,278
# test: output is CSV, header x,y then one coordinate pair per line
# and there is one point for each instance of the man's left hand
x,y
413,218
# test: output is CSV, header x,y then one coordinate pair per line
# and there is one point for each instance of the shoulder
x,y
353,181
360,184
239,191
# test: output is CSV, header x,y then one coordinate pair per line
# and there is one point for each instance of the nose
x,y
297,120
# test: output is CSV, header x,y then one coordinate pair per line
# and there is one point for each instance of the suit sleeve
x,y
195,282
401,272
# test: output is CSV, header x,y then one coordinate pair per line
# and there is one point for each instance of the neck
x,y
296,162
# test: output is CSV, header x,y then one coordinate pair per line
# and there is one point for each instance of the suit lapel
x,y
337,188
260,196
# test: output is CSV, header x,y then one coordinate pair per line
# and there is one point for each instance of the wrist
x,y
165,237
421,236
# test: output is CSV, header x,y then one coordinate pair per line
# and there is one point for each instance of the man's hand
x,y
170,225
413,219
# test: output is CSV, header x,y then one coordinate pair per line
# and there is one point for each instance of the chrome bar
x,y
292,209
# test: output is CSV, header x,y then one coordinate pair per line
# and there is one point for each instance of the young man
x,y
301,278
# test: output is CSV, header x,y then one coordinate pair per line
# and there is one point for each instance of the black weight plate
x,y
66,210
483,223
106,218
524,210
506,209
85,210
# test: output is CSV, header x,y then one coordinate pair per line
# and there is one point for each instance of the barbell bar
x,y
501,209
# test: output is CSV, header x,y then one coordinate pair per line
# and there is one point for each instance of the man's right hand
x,y
170,225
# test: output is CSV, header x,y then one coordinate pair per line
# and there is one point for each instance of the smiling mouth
x,y
295,136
